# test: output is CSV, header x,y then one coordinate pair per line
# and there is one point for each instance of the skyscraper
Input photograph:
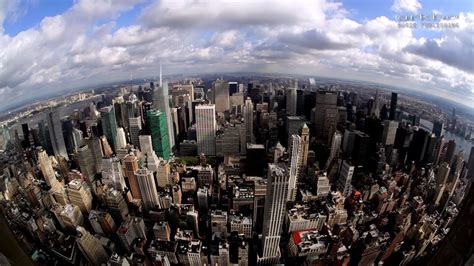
x,y
438,128
109,125
56,134
277,193
47,170
294,166
112,173
86,162
161,103
121,138
130,166
248,120
303,159
221,95
335,147
393,106
79,195
206,128
135,124
91,247
325,114
343,183
159,133
146,182
389,132
291,101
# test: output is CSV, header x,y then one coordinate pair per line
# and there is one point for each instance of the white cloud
x,y
306,37
406,5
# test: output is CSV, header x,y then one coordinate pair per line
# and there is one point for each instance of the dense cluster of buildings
x,y
232,174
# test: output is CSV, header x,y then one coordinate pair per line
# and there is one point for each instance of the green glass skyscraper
x,y
109,125
159,133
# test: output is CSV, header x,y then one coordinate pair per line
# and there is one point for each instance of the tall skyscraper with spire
x,y
161,103
275,206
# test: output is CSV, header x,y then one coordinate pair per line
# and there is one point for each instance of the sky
x,y
49,46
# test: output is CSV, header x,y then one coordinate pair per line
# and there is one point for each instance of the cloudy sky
x,y
49,46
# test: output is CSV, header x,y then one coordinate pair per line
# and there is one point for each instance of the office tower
x,y
228,140
325,114
26,135
105,146
146,147
56,134
202,196
68,128
163,174
335,146
248,120
389,132
115,201
70,217
256,160
177,194
275,206
161,103
294,166
291,101
430,154
109,125
322,186
294,125
470,165
130,166
159,133
206,129
361,145
131,230
221,95
94,146
146,182
233,87
162,231
79,195
450,152
120,111
418,146
343,183
121,138
101,222
219,221
91,247
438,128
85,160
303,159
77,137
135,124
443,173
47,170
393,106
112,173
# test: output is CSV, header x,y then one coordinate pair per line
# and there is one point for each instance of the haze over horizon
x,y
73,44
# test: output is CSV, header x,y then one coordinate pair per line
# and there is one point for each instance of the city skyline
x,y
258,172
45,50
